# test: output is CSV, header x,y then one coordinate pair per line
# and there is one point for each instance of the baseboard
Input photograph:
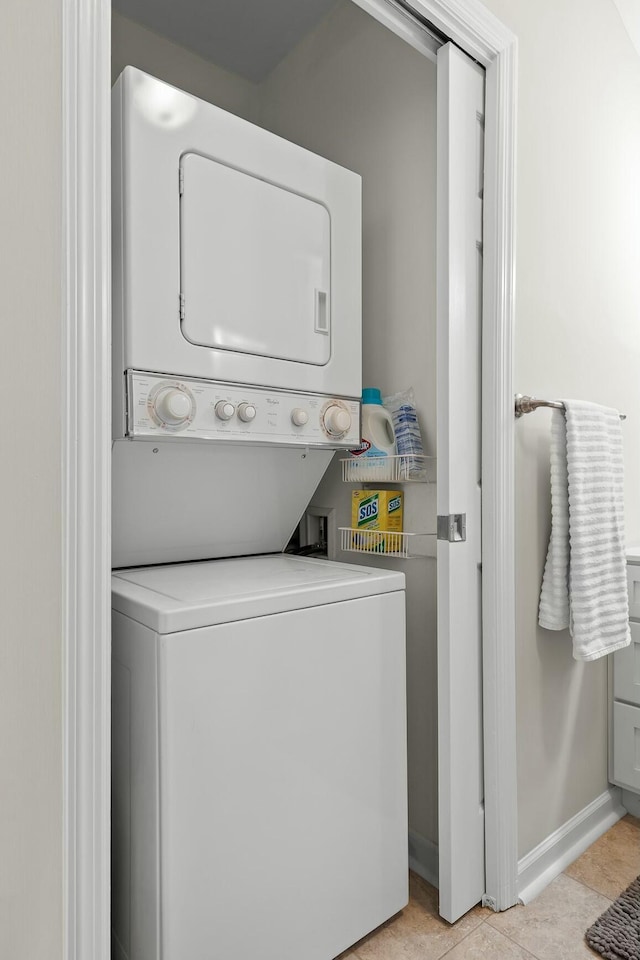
x,y
423,857
631,802
547,861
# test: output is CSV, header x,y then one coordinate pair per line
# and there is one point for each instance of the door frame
x,y
86,419
485,39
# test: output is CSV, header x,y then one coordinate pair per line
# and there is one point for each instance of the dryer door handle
x,y
322,324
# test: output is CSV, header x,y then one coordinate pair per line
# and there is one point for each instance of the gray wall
x,y
136,46
577,335
30,558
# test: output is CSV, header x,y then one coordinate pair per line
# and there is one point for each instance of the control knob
x,y
173,406
299,417
224,410
337,420
247,412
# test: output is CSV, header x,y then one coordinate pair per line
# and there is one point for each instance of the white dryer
x,y
259,772
237,254
236,326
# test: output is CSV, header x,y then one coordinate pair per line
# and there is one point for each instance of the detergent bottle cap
x,y
371,395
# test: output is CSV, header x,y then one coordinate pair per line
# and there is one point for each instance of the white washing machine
x,y
259,772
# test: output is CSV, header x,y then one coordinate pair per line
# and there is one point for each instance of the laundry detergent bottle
x,y
378,436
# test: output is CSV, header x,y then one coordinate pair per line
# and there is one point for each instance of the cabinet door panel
x,y
626,749
633,581
626,669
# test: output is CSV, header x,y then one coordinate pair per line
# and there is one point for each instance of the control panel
x,y
208,410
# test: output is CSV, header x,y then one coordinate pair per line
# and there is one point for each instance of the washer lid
x,y
185,596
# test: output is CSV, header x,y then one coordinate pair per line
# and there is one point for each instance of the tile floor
x,y
550,928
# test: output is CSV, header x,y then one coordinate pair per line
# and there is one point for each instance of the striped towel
x,y
584,586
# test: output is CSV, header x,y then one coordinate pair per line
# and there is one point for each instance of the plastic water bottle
x,y
407,432
408,436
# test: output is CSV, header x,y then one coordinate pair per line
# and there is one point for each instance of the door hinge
x,y
181,307
181,180
452,527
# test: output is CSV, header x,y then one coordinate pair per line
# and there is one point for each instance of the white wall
x,y
577,335
355,93
630,12
136,46
30,491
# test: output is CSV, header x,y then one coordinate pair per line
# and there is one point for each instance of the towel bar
x,y
529,404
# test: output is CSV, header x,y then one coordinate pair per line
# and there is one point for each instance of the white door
x,y
459,213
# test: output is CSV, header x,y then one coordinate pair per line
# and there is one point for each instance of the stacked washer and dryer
x,y
259,733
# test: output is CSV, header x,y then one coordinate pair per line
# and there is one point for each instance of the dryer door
x,y
255,265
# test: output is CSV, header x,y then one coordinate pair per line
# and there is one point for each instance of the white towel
x,y
584,586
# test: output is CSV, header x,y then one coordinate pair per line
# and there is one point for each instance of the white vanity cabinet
x,y
624,734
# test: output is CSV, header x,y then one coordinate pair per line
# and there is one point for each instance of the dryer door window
x,y
255,262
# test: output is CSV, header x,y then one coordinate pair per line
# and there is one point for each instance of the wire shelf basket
x,y
404,546
409,468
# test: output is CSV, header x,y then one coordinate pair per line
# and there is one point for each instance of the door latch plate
x,y
452,527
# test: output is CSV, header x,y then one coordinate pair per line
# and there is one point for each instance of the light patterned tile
x,y
486,943
552,927
382,945
418,933
613,861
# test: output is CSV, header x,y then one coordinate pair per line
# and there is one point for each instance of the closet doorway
x,y
462,755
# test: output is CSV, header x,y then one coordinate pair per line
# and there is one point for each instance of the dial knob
x,y
224,410
299,416
173,406
247,412
337,420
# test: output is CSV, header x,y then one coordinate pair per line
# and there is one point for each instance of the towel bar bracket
x,y
524,404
